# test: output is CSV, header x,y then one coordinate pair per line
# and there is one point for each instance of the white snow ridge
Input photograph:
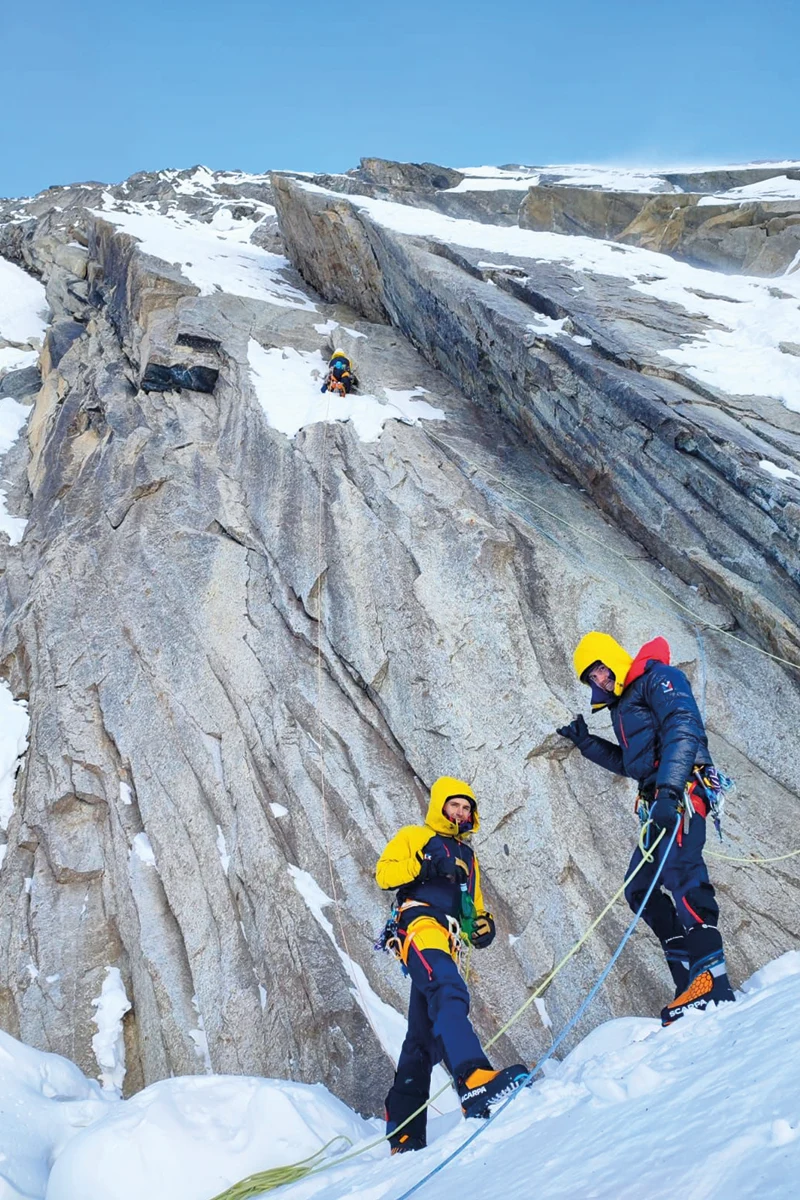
x,y
707,1108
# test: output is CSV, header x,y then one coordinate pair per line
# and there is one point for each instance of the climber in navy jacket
x,y
662,744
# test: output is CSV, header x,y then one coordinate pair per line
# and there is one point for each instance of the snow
x,y
329,326
190,1138
278,810
778,472
13,417
143,850
504,181
108,1043
44,1102
125,793
496,172
544,1015
200,1038
741,357
779,188
706,1109
216,257
609,178
547,325
23,309
13,744
222,850
287,383
14,359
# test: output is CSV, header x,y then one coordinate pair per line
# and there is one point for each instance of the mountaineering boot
x,y
708,977
406,1114
677,958
480,1089
405,1142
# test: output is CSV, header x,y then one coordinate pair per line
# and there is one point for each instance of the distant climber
x,y
439,904
340,377
663,746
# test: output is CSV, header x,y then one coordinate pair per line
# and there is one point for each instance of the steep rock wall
x,y
209,618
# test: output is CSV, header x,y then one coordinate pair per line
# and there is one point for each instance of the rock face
x,y
754,239
248,655
640,438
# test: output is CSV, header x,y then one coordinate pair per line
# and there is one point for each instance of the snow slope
x,y
610,178
214,256
708,1109
287,383
23,308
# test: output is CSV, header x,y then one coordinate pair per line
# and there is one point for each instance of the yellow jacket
x,y
399,865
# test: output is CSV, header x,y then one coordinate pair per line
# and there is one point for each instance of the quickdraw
x,y
715,784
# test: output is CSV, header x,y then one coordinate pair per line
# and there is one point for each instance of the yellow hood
x,y
442,790
601,647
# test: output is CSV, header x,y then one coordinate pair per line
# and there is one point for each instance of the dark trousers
x,y
439,1029
685,875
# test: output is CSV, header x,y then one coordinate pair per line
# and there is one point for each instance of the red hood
x,y
658,649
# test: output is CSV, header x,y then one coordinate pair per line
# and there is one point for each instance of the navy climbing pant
x,y
438,1029
685,875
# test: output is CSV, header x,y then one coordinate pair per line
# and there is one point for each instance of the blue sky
x,y
105,89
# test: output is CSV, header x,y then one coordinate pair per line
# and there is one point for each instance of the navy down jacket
x,y
657,724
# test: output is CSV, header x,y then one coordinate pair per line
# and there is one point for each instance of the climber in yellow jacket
x,y
439,906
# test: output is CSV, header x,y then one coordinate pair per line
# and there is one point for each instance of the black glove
x,y
577,731
664,809
483,931
435,862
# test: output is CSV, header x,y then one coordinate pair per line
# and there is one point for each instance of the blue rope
x,y
566,1030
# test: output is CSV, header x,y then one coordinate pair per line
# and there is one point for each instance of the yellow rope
x,y
267,1181
753,860
629,562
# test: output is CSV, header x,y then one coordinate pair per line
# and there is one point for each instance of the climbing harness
x,y
335,385
397,940
567,1029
